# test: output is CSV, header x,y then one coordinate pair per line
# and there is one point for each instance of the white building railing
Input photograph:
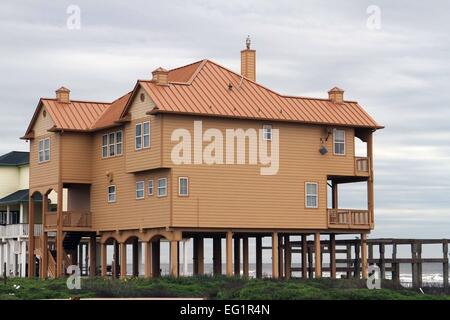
x,y
19,230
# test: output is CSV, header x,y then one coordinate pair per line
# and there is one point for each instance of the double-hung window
x,y
112,144
150,187
162,187
119,143
311,195
112,193
267,132
183,186
339,142
140,185
105,146
142,135
44,150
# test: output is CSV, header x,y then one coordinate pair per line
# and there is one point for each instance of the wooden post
x,y
245,262
275,271
419,263
198,256
44,255
317,255
174,258
280,256
333,256
356,265
217,255
156,267
135,257
148,259
229,247
334,195
258,257
93,256
31,259
59,233
287,256
395,266
370,189
310,263
103,252
116,263
123,260
364,255
382,266
445,264
349,261
237,256
304,256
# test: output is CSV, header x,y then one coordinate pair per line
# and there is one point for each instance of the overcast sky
x,y
399,72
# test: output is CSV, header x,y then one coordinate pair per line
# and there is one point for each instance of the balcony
x,y
362,166
71,219
348,219
19,230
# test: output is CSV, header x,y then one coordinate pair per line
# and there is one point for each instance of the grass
x,y
210,288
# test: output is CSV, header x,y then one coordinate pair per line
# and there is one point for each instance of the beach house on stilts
x,y
197,152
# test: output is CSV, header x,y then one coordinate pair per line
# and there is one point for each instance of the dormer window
x,y
44,150
339,142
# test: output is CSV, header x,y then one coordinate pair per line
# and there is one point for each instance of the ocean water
x,y
432,273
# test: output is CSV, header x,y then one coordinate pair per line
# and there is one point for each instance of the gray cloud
x,y
399,74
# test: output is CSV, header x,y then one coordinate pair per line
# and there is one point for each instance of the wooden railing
x,y
348,218
362,166
19,230
70,219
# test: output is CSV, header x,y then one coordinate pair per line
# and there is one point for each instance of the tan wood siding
x,y
146,158
45,173
126,212
76,156
238,196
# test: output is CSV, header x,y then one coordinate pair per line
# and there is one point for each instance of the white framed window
x,y
162,187
311,195
119,138
112,144
183,186
150,187
146,134
44,150
140,186
339,142
267,132
105,146
111,193
138,137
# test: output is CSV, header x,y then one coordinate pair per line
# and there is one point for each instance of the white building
x,y
14,180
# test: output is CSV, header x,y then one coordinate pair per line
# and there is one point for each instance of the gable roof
x,y
206,88
15,158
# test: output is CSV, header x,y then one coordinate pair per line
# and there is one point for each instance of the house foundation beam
x,y
275,271
317,256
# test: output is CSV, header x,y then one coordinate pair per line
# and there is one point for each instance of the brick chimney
x,y
248,61
336,95
63,95
160,76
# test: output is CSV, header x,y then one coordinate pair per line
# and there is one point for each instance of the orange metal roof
x,y
206,88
